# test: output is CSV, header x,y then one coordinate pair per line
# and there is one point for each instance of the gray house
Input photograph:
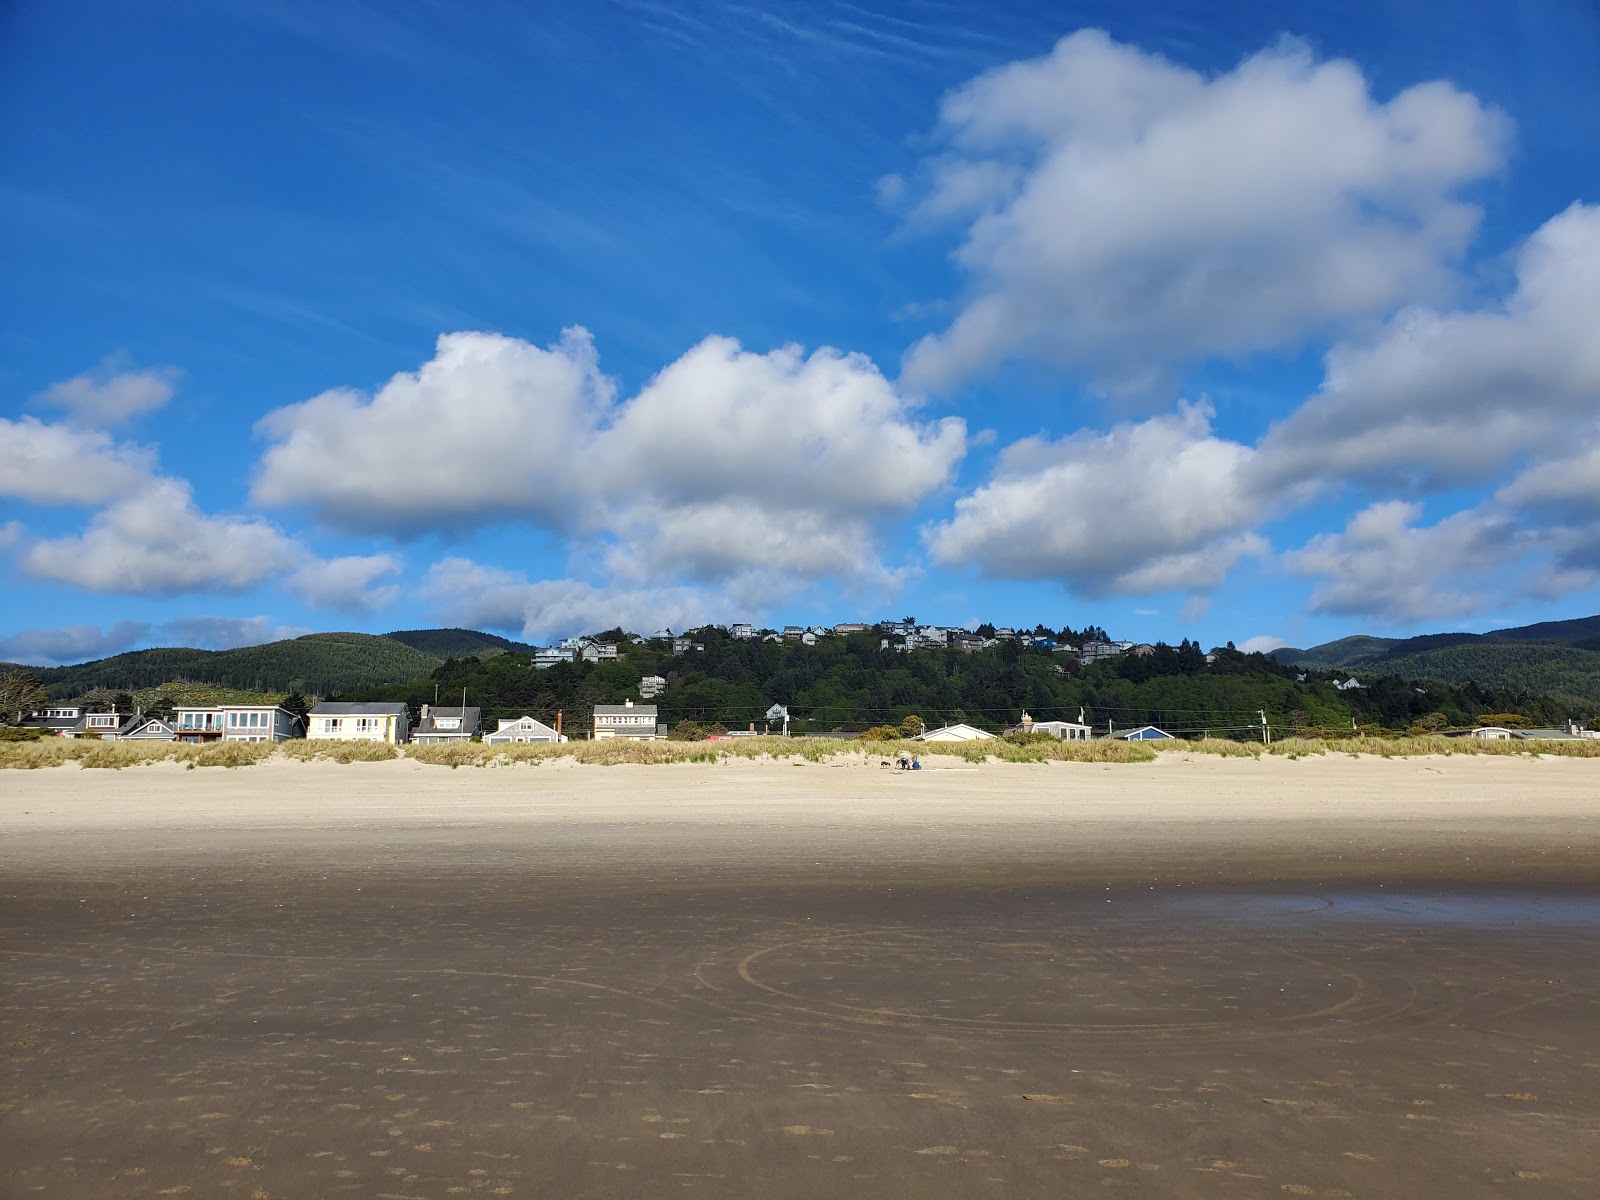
x,y
439,725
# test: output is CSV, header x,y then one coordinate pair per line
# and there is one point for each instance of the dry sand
x,y
1198,977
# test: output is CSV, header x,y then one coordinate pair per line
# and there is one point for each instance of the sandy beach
x,y
1196,977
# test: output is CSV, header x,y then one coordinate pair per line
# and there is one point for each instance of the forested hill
x,y
317,664
1561,658
456,643
849,684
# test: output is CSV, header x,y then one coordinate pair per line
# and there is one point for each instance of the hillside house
x,y
742,630
652,686
599,652
634,722
439,726
545,657
522,729
366,721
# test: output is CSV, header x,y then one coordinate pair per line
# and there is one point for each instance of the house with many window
x,y
63,720
199,724
545,657
635,722
363,721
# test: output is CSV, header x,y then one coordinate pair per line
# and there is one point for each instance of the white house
x,y
441,725
635,722
199,724
652,686
742,630
351,721
955,733
545,657
1067,731
1492,733
522,729
63,720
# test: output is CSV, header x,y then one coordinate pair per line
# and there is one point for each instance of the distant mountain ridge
x,y
319,663
1560,658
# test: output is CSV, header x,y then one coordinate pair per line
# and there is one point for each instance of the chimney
x,y
558,722
426,709
627,704
1027,723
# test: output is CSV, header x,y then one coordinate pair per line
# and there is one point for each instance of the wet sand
x,y
1198,977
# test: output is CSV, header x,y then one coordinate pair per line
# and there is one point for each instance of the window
x,y
366,724
330,724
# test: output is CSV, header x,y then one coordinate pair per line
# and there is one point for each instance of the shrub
x,y
881,733
233,754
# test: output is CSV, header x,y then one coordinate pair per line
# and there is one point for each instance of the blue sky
x,y
1177,319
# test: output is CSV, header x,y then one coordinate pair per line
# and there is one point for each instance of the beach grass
x,y
93,753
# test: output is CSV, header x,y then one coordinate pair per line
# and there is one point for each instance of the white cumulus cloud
x,y
351,583
46,463
1446,398
471,594
1386,565
1149,506
158,542
109,396
491,426
1126,214
727,462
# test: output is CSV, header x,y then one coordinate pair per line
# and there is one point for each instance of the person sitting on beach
x,y
916,762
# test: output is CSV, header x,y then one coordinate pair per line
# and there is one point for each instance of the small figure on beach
x,y
916,762
905,761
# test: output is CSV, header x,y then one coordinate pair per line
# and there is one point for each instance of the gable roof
x,y
359,708
469,718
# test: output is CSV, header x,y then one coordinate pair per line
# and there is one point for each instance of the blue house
x,y
1145,733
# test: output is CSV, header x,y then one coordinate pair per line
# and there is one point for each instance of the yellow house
x,y
339,721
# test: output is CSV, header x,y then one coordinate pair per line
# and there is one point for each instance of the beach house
x,y
351,721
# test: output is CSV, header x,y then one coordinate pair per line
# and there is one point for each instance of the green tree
x,y
20,695
295,702
912,726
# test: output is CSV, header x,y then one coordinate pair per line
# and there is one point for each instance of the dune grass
x,y
93,753
340,752
1395,746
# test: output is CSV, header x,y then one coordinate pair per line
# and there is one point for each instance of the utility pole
x,y
1266,730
